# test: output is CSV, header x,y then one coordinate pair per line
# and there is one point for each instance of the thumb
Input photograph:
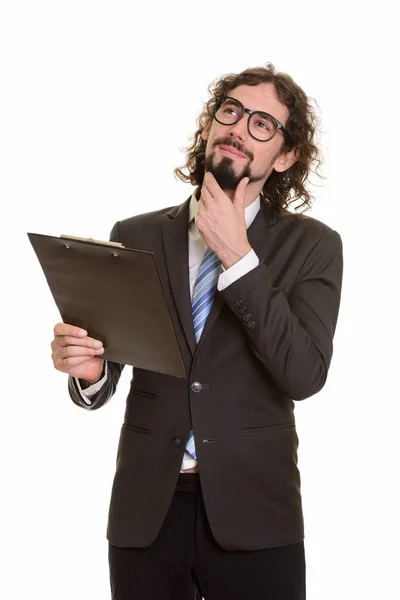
x,y
240,193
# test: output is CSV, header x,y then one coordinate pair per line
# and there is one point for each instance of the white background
x,y
97,99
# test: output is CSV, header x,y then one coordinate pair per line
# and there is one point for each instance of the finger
x,y
206,197
67,329
69,351
67,340
212,184
240,193
67,363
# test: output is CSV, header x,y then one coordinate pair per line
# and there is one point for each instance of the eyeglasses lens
x,y
262,126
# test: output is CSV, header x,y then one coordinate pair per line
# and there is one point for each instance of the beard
x,y
226,175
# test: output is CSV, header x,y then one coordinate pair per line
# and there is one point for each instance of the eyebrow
x,y
253,110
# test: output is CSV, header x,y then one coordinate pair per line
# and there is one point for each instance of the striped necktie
x,y
203,296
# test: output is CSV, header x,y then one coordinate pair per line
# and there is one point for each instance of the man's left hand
x,y
221,221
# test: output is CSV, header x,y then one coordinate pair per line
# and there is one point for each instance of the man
x,y
206,497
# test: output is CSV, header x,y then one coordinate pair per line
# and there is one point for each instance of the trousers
x,y
185,562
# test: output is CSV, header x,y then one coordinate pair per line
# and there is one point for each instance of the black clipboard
x,y
115,293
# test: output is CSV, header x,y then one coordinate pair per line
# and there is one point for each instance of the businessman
x,y
206,500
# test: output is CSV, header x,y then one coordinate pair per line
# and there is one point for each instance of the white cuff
x,y
89,392
236,271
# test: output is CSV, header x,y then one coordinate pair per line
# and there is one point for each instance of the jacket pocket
x,y
145,393
137,427
268,429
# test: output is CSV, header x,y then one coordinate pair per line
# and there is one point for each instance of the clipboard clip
x,y
92,241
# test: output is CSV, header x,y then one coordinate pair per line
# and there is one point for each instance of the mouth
x,y
232,151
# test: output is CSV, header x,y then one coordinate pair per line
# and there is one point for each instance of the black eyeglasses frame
x,y
220,99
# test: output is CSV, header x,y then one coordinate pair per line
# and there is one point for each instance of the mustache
x,y
228,141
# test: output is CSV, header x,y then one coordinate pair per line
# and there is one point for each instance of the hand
x,y
73,353
221,221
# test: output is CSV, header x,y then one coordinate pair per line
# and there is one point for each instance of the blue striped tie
x,y
203,297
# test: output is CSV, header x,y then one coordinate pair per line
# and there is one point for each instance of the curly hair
x,y
280,189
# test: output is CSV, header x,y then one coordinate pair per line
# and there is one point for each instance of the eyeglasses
x,y
261,125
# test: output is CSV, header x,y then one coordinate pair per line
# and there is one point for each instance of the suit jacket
x,y
267,342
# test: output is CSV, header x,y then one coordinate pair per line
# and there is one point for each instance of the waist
x,y
188,482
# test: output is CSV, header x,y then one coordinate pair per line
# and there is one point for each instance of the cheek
x,y
263,161
216,131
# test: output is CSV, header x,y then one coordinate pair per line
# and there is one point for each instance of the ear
x,y
206,131
285,160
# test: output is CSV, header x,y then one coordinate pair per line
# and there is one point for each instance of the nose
x,y
239,129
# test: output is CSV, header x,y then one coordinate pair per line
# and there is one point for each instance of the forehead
x,y
261,97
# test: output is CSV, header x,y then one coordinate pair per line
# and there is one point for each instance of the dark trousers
x,y
185,563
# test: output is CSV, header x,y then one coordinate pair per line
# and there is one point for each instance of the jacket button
x,y
196,386
237,303
251,324
177,441
247,317
243,310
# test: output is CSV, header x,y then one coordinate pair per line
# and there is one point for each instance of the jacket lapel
x,y
175,238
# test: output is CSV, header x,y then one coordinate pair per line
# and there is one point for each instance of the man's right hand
x,y
73,352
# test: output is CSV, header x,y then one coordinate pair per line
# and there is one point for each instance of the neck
x,y
252,192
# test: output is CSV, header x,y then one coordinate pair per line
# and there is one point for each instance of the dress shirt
x,y
197,248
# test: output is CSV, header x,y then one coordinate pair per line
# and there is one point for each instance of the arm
x,y
293,337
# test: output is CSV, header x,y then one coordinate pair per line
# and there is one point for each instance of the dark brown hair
x,y
280,189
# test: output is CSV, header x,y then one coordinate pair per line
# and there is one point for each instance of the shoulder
x,y
308,237
145,225
148,218
307,226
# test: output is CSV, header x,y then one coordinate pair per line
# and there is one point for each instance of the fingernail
x,y
82,332
97,344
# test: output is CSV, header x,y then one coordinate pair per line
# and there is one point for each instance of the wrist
x,y
85,383
233,257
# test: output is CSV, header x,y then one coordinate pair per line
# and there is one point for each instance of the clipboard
x,y
115,293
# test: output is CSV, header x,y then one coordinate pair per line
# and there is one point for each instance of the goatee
x,y
225,174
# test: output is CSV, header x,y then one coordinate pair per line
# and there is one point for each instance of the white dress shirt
x,y
197,248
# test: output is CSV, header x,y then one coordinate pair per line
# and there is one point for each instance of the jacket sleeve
x,y
114,370
292,336
104,394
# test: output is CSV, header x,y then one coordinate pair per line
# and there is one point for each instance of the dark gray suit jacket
x,y
267,342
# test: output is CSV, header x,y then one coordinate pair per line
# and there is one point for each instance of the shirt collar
x,y
250,212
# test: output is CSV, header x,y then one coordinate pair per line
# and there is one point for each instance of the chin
x,y
225,173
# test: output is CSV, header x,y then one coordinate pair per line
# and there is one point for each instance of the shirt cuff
x,y
236,271
90,391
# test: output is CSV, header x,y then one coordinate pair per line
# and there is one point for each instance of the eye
x,y
230,109
265,125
